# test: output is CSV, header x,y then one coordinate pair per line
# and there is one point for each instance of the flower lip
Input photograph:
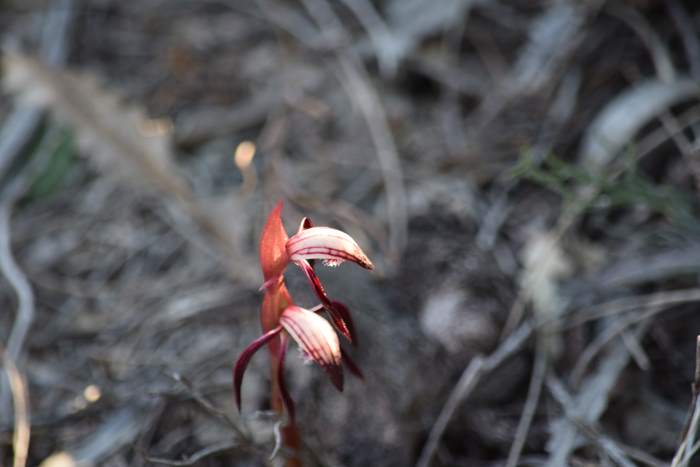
x,y
331,245
317,338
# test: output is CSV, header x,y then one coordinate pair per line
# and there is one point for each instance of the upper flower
x,y
330,245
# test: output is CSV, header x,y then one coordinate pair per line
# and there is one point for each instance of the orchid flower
x,y
281,318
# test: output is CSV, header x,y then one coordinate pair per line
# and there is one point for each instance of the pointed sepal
x,y
352,366
273,251
343,320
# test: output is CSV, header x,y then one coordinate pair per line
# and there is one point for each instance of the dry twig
x,y
472,374
539,372
197,456
588,404
360,90
686,449
657,300
615,449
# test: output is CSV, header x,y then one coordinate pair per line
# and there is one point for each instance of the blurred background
x,y
524,175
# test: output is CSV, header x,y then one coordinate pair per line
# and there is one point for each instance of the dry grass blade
x,y
120,139
471,376
411,21
359,88
15,277
198,456
621,453
553,38
588,404
686,449
387,154
533,396
25,297
619,121
660,54
116,430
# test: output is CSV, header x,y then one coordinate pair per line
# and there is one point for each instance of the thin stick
x,y
471,376
615,449
622,305
17,280
533,396
688,149
613,330
589,403
690,427
208,406
360,90
197,456
366,97
20,397
685,27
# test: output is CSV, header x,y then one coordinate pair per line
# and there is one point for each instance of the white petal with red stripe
x,y
331,245
317,339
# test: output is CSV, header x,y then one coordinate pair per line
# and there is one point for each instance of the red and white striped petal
x,y
317,339
331,245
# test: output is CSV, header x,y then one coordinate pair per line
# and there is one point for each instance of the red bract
x,y
273,246
281,318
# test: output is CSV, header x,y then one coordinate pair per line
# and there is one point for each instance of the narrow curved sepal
x,y
286,398
352,366
273,250
305,224
315,283
330,245
317,339
325,301
242,362
343,320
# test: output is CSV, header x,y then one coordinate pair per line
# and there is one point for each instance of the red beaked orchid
x,y
281,318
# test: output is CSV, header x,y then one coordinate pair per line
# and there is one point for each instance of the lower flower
x,y
316,338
